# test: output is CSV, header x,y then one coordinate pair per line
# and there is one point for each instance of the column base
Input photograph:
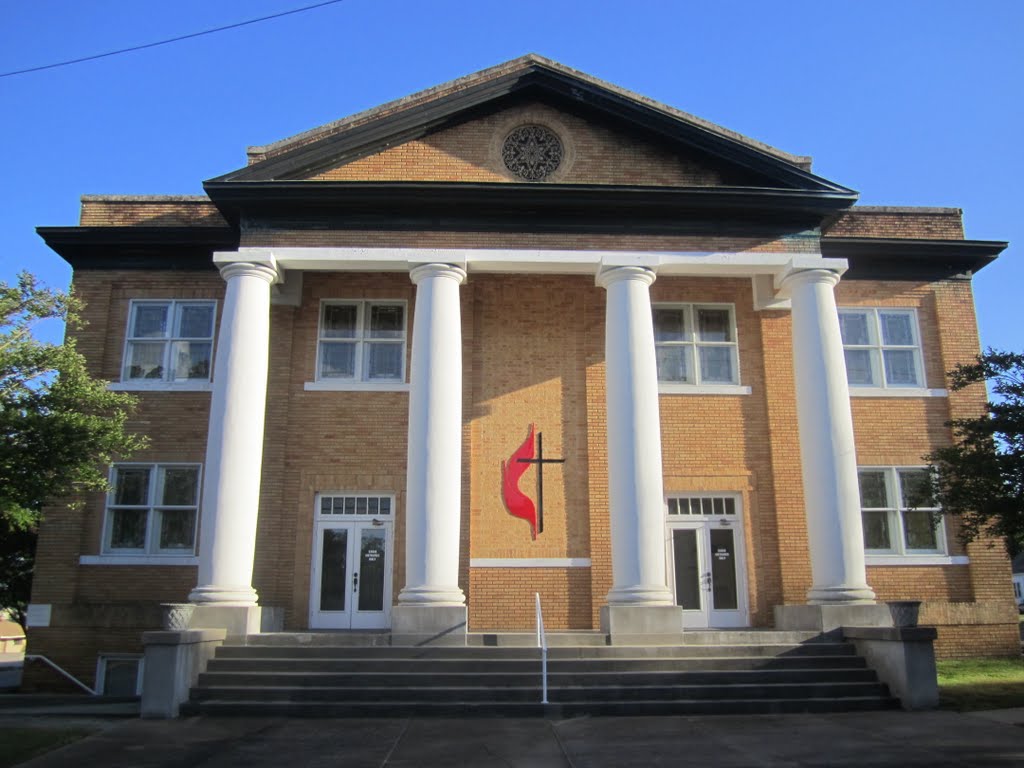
x,y
843,595
428,624
223,595
640,596
237,620
831,618
642,624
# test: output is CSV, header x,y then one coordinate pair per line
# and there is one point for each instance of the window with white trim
x,y
882,347
361,341
898,512
152,509
169,341
696,343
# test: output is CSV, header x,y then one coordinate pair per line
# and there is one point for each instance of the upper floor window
x,y
169,341
882,347
696,344
152,509
899,513
361,341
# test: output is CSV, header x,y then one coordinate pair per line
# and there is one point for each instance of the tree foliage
x,y
59,427
980,477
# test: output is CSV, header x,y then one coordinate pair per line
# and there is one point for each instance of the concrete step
x,y
488,666
514,652
285,708
499,680
532,693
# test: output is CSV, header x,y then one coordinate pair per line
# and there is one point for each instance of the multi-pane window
x,y
169,341
355,504
899,513
702,505
695,344
152,509
361,341
882,347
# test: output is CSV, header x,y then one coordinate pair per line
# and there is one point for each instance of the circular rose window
x,y
532,152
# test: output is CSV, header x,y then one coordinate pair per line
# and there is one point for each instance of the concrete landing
x,y
877,739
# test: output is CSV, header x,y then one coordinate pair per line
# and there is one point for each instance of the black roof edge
x,y
410,123
139,247
231,197
897,258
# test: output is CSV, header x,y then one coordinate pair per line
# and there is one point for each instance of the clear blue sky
x,y
910,102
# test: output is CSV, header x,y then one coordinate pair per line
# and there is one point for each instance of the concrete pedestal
x,y
428,624
830,618
173,662
642,624
904,658
237,620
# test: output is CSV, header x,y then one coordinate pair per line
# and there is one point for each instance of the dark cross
x,y
540,461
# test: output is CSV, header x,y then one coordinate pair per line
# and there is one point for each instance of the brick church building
x,y
524,332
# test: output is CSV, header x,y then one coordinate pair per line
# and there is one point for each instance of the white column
x,y
433,503
831,492
635,493
234,448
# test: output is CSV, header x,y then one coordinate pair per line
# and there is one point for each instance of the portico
x,y
430,601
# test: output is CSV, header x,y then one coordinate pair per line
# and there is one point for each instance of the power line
x,y
171,40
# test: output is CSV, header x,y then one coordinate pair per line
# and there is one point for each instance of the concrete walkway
x,y
903,739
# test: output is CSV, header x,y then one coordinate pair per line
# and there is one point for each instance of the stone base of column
x,y
227,595
845,595
831,618
428,625
238,620
642,624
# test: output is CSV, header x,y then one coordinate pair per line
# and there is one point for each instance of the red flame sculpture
x,y
518,503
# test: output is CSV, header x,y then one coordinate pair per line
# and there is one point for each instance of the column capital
x,y
618,274
810,276
425,271
266,272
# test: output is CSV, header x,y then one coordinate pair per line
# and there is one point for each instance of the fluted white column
x,y
434,485
234,449
831,492
634,442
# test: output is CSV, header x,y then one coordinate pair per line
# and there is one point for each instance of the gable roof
x,y
532,76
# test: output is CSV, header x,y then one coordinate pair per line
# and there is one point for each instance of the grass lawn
x,y
966,684
20,744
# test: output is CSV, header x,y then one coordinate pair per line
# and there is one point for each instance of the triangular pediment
x,y
457,132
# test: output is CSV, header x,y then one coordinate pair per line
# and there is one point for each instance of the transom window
x,y
169,341
361,341
899,513
694,506
152,509
882,347
356,504
696,343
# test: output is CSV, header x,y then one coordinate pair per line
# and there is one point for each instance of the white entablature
x,y
766,269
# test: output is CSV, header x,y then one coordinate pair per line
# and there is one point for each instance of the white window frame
x,y
897,532
165,382
151,549
876,349
101,669
698,385
362,340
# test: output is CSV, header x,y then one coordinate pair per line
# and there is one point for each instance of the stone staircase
x,y
360,675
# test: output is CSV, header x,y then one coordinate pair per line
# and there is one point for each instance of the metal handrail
x,y
61,670
542,643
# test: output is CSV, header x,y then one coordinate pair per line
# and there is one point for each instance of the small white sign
x,y
38,615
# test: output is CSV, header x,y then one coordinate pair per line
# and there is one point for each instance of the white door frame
x,y
708,616
354,524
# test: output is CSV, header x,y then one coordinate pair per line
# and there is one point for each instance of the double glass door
x,y
351,578
706,566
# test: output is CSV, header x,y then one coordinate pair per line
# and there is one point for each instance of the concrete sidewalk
x,y
901,739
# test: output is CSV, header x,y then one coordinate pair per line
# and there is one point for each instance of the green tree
x,y
59,427
980,478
